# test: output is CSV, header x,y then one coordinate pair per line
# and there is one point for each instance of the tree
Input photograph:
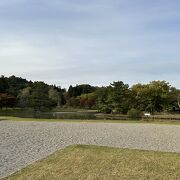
x,y
39,98
102,101
88,100
3,84
80,89
70,91
7,100
173,99
119,96
24,97
151,97
3,99
53,95
15,85
73,102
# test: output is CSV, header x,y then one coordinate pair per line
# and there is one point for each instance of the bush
x,y
134,114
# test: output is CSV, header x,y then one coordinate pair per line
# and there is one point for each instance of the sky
x,y
93,42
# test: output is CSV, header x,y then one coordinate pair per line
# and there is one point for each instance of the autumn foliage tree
x,y
118,97
7,100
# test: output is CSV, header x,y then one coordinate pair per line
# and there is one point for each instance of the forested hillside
x,y
157,96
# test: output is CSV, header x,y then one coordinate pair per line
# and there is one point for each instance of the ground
x,y
22,143
92,162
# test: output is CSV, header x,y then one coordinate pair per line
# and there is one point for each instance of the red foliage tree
x,y
7,100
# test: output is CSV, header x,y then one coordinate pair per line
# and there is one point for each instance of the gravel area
x,y
22,143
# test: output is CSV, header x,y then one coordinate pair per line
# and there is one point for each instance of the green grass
x,y
94,162
171,122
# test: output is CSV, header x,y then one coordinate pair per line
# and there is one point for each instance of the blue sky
x,y
67,42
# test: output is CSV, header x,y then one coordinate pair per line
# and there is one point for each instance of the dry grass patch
x,y
94,162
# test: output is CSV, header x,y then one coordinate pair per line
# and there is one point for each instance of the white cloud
x,y
69,42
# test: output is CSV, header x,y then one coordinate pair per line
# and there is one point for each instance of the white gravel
x,y
22,143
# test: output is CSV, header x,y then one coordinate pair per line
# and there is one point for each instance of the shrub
x,y
134,114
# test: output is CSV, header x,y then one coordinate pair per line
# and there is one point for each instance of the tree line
x,y
118,97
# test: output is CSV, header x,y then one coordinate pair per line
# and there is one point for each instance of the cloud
x,y
75,41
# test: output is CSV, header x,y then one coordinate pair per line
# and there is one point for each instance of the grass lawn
x,y
94,162
172,122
